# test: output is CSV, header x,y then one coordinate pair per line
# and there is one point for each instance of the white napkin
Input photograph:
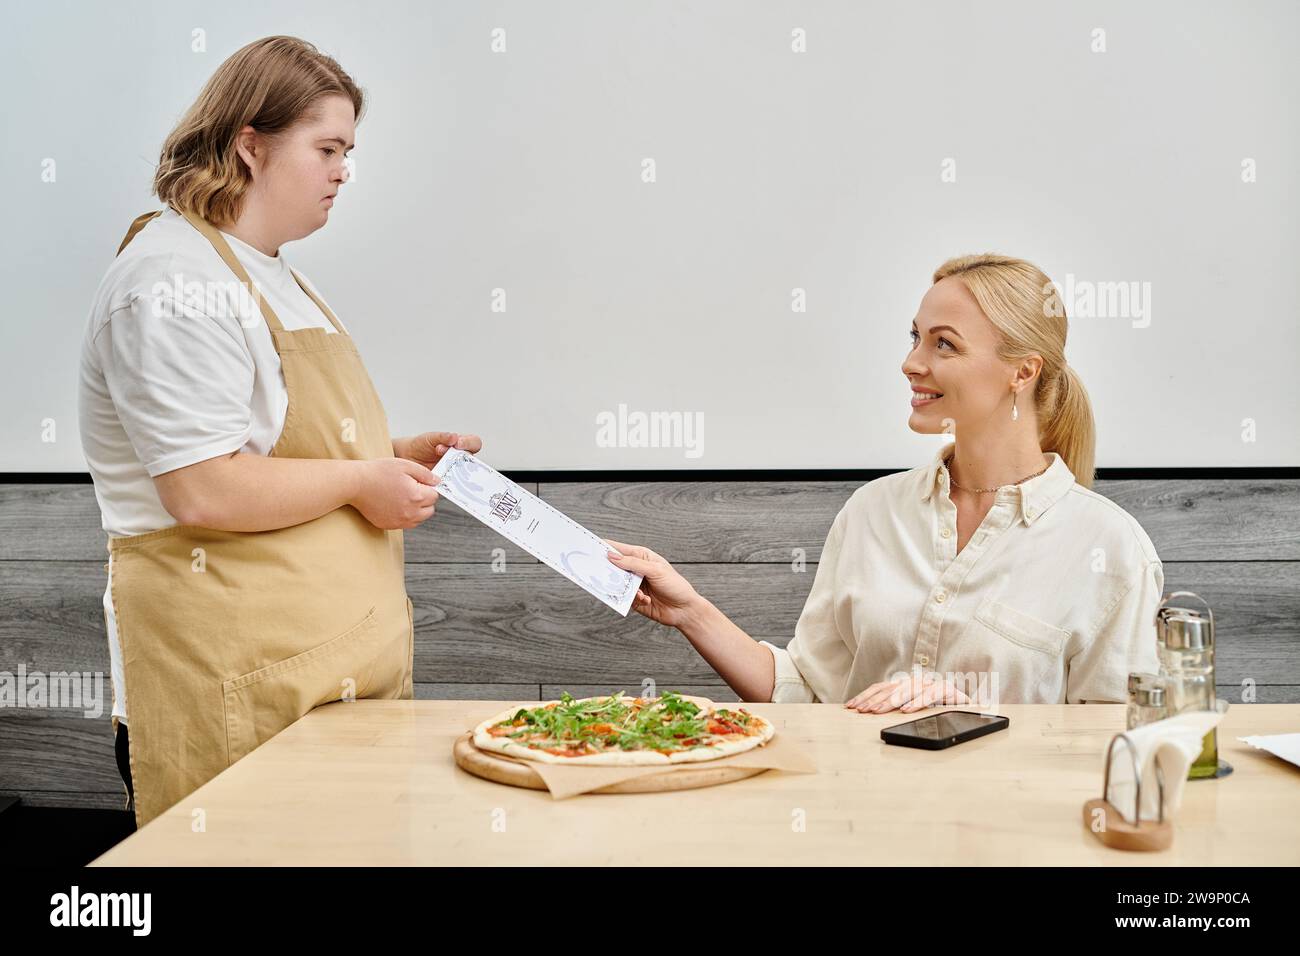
x,y
1286,746
1172,744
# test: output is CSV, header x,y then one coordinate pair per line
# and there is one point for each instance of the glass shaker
x,y
1146,700
1185,644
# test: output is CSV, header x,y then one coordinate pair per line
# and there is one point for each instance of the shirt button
x,y
925,661
1030,512
941,597
946,533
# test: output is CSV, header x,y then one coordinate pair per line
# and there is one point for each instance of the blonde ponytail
x,y
1068,427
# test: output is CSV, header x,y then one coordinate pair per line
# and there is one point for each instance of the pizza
x,y
622,731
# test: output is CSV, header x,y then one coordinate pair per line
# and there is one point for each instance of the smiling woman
x,y
1017,583
253,496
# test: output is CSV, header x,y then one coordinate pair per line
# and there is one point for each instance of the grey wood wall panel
x,y
525,634
425,691
58,522
537,624
56,750
1251,519
527,625
52,615
50,522
1263,694
708,521
720,693
68,800
528,622
1187,520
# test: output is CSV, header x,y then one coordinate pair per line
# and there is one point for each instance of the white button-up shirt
x,y
1052,600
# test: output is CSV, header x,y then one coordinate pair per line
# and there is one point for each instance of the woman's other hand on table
x,y
907,694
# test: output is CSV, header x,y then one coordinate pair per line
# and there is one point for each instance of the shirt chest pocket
x,y
1020,628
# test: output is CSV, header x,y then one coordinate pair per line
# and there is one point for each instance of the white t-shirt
x,y
177,369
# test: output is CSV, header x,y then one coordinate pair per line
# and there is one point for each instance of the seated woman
x,y
991,570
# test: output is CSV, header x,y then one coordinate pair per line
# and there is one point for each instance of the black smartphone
x,y
943,730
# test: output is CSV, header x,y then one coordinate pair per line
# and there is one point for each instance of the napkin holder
x,y
1115,831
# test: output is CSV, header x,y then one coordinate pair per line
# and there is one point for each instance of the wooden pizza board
x,y
517,773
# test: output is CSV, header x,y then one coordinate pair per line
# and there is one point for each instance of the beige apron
x,y
229,637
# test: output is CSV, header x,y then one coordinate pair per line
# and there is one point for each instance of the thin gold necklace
x,y
985,491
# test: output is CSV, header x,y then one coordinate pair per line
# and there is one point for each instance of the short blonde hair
x,y
270,84
1023,305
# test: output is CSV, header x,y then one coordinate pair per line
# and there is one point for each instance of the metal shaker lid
x,y
1182,628
1149,695
1137,678
1146,690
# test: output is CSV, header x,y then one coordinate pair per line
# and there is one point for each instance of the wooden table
x,y
373,782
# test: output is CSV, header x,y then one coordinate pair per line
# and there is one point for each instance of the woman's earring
x,y
1015,412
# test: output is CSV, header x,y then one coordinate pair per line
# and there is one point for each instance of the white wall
x,y
819,170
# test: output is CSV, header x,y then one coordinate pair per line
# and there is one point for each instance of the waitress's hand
x,y
394,493
664,596
907,694
428,448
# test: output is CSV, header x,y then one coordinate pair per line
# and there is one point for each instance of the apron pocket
x,y
261,703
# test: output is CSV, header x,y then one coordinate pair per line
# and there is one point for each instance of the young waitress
x,y
252,494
